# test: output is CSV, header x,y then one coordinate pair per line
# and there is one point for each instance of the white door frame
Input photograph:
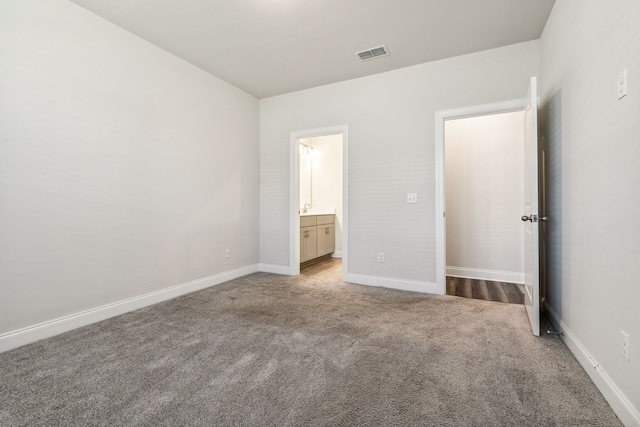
x,y
294,191
441,224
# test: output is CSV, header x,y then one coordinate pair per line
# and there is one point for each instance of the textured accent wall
x,y
593,177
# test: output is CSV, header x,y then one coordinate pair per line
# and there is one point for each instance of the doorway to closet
x,y
481,246
533,205
484,185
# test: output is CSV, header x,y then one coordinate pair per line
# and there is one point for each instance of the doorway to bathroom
x,y
319,202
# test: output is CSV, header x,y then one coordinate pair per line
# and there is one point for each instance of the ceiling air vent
x,y
374,52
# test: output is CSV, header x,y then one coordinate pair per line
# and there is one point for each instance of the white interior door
x,y
530,216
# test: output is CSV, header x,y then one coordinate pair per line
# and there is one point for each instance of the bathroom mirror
x,y
306,168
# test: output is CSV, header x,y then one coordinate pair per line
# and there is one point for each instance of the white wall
x,y
593,158
306,173
484,195
391,122
327,179
123,170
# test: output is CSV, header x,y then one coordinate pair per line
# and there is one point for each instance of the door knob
x,y
526,218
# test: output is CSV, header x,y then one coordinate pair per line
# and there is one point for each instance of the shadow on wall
x,y
552,131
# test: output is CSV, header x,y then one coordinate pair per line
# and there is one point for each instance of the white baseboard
x,y
337,254
393,283
275,269
20,337
480,274
622,406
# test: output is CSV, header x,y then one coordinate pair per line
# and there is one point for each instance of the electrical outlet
x,y
227,253
412,197
380,256
624,344
622,84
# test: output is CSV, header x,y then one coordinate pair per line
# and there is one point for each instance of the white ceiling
x,y
271,47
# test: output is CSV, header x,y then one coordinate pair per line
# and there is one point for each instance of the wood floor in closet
x,y
511,293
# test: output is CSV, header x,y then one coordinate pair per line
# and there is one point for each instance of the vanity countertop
x,y
312,212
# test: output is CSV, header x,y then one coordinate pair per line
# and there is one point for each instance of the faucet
x,y
306,206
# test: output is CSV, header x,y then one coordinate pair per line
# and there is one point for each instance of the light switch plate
x,y
412,197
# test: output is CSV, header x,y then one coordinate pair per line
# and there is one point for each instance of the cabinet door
x,y
326,239
322,240
308,244
330,237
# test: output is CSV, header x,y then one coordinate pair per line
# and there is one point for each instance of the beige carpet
x,y
268,350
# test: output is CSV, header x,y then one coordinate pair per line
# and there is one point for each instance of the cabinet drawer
x,y
326,219
307,221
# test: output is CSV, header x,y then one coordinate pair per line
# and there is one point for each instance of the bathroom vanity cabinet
x,y
317,237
